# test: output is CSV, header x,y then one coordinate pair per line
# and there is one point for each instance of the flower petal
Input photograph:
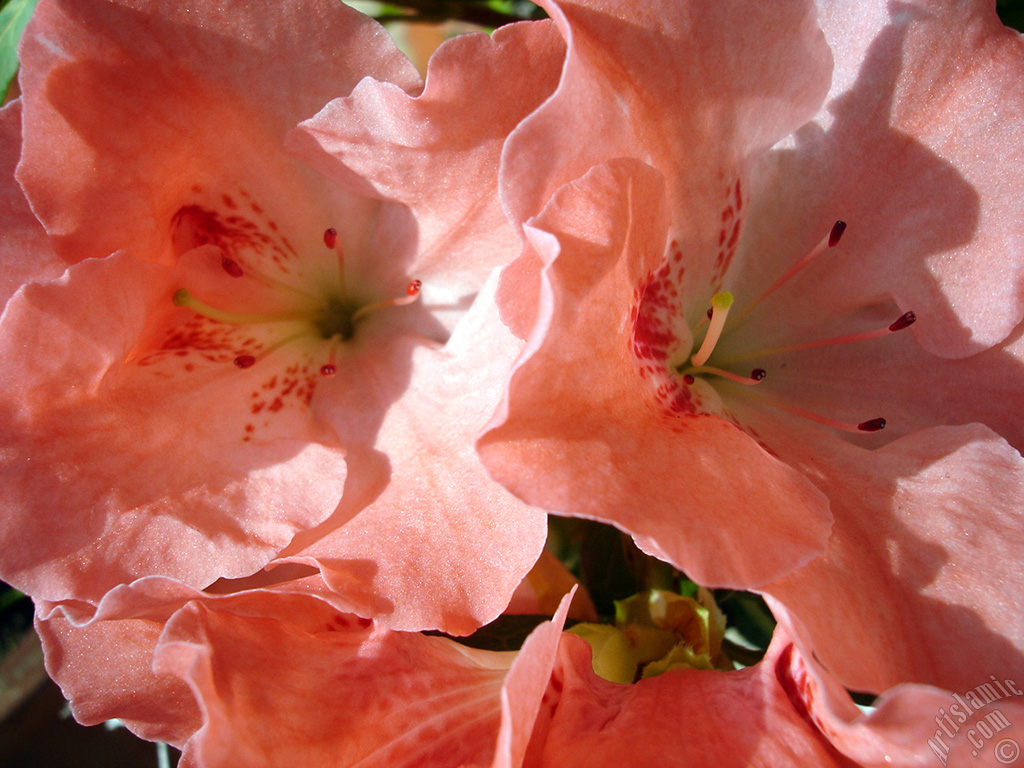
x,y
198,118
26,253
316,687
899,729
924,554
430,542
102,658
438,151
918,152
692,88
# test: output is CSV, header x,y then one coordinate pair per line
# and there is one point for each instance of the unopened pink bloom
x,y
670,187
277,675
244,350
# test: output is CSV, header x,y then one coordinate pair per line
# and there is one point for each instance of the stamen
x,y
756,376
905,320
831,240
836,234
331,241
234,269
330,368
231,266
412,291
277,285
720,304
688,378
872,425
182,298
248,361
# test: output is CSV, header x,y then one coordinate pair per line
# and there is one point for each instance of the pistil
x,y
182,298
720,304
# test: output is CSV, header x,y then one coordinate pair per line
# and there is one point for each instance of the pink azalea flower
x,y
244,350
757,462
276,675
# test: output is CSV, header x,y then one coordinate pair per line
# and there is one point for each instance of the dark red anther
x,y
328,370
711,311
414,287
245,361
758,374
231,266
836,234
688,379
905,320
330,237
872,426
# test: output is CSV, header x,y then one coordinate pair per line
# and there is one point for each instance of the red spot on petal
x,y
245,361
330,237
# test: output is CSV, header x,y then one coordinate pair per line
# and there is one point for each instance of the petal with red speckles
x,y
110,156
586,430
117,464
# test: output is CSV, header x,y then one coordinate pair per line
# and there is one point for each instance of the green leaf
x,y
13,18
